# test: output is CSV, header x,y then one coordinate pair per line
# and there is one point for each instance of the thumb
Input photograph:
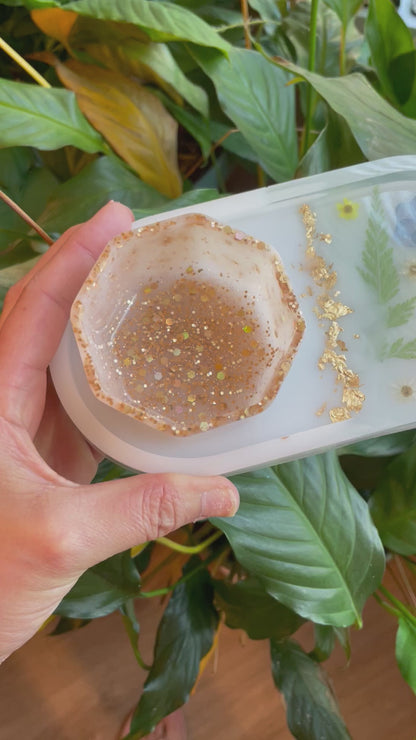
x,y
107,518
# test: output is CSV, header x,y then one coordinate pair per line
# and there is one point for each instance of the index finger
x,y
31,332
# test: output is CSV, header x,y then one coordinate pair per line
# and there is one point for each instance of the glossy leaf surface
x,y
393,504
43,118
102,589
311,709
249,607
255,96
184,636
306,534
379,129
406,651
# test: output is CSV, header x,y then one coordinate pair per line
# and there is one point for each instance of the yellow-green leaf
x,y
133,121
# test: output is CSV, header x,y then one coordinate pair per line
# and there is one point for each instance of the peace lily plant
x,y
165,104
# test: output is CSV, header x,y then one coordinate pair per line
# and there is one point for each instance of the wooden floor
x,y
80,686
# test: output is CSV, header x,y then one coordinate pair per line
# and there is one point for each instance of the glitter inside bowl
x,y
186,325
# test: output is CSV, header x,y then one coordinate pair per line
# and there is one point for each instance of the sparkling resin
x,y
187,325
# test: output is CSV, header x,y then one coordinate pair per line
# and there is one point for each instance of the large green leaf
x,y
255,96
311,709
388,444
334,147
102,589
43,118
249,607
406,651
306,534
393,504
345,9
184,636
389,39
192,197
106,178
162,21
379,129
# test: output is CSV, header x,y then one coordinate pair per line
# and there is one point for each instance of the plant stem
x,y
129,620
168,589
342,64
189,549
398,604
246,21
23,63
20,212
310,95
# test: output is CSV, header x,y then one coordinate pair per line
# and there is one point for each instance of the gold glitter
x,y
321,410
169,322
356,336
406,391
190,374
330,310
127,361
353,399
221,375
333,334
191,398
339,414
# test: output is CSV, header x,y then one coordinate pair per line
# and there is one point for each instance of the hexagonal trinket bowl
x,y
187,324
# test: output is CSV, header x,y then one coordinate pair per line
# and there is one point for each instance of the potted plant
x,y
164,104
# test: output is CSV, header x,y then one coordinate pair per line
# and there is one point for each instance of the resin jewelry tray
x,y
347,241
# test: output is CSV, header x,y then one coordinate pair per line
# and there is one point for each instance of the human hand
x,y
53,525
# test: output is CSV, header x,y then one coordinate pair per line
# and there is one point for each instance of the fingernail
x,y
219,502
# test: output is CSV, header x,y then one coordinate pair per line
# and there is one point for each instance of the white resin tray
x,y
359,225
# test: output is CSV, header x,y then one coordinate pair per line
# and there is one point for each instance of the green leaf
x,y
195,124
249,607
402,71
406,651
192,197
325,637
401,349
162,21
106,178
345,9
311,709
401,313
254,94
335,147
388,444
102,589
43,118
184,636
107,470
379,270
379,129
66,624
306,534
393,504
389,38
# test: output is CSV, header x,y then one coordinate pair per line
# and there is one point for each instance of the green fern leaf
x,y
401,313
401,350
378,269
